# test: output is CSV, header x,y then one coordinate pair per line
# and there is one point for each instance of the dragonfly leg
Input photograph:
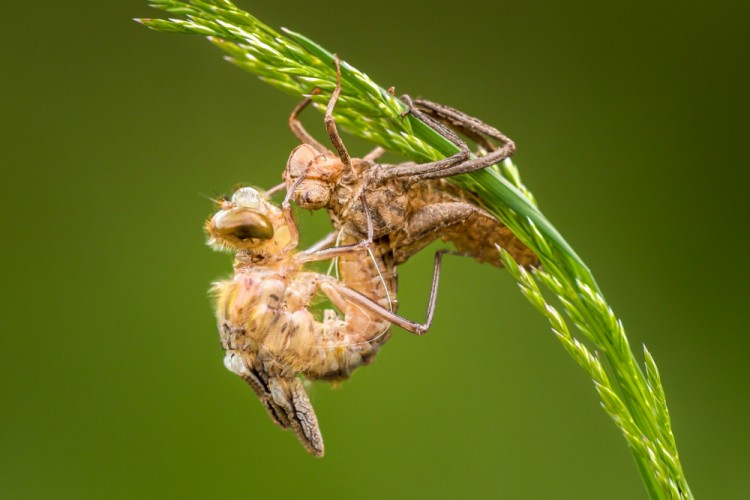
x,y
342,296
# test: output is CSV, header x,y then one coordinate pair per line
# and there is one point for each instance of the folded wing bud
x,y
290,395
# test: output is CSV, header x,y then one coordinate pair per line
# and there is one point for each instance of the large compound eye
x,y
243,224
312,195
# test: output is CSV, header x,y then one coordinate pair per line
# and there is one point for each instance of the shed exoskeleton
x,y
410,204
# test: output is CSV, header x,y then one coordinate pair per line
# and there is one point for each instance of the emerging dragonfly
x,y
267,329
412,204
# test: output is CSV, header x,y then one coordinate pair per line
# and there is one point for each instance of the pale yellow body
x,y
264,316
269,331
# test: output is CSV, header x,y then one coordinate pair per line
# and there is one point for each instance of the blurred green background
x,y
631,121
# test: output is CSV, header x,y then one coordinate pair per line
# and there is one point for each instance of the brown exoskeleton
x,y
411,204
270,335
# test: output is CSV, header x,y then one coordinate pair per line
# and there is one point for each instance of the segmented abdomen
x,y
475,235
266,319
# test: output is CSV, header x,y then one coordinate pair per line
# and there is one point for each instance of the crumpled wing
x,y
285,400
290,395
277,414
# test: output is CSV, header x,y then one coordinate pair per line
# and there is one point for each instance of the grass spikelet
x,y
294,64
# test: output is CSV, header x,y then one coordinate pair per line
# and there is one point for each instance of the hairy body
x,y
269,331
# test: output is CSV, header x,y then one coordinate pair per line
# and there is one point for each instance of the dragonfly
x,y
268,329
270,333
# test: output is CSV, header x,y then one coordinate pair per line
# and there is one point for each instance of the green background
x,y
631,126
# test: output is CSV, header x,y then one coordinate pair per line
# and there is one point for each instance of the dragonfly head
x,y
243,222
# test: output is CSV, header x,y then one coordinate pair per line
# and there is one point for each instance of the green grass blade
x,y
294,64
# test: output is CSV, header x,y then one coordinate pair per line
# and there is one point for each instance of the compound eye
x,y
243,224
315,195
312,194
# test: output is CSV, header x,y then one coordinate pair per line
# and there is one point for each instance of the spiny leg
x,y
330,123
326,242
315,254
418,171
441,169
472,127
341,296
468,125
434,124
306,138
474,164
298,130
278,187
375,154
286,209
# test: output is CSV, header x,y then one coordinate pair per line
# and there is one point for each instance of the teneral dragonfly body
x,y
268,329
